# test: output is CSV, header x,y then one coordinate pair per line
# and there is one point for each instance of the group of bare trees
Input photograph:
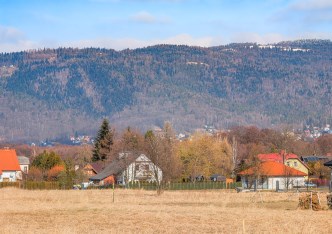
x,y
159,148
200,155
225,153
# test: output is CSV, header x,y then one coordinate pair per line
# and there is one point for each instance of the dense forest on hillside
x,y
55,92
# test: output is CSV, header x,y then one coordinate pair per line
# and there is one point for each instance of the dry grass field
x,y
138,211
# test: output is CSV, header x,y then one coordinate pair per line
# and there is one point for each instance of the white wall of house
x,y
10,176
24,168
142,170
270,183
292,181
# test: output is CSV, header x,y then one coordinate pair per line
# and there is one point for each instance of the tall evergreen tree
x,y
103,143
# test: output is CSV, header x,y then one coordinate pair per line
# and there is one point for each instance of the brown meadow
x,y
139,211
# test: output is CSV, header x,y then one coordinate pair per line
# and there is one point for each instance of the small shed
x,y
329,164
24,164
217,177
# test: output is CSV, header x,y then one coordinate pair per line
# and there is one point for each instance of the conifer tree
x,y
103,142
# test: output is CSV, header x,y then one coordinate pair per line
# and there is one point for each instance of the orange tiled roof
x,y
8,160
277,157
271,168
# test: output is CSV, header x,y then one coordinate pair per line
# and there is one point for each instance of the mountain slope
x,y
72,89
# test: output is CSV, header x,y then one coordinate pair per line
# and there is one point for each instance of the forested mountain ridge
x,y
55,92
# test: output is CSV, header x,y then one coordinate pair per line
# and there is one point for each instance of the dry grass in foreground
x,y
219,211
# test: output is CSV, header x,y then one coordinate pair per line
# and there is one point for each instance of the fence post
x,y
113,191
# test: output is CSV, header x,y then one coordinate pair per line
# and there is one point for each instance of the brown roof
x,y
8,160
116,166
273,169
97,166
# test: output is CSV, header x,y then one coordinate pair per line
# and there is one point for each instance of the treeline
x,y
200,156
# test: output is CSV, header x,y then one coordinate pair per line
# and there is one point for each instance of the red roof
x,y
8,160
277,157
272,169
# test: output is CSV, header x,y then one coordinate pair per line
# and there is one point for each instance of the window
x,y
25,169
262,180
288,164
295,164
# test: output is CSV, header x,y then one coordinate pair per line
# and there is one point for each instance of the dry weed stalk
x,y
310,201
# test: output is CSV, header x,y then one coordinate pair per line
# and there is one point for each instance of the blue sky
x,y
121,24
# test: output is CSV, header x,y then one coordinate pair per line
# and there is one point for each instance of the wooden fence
x,y
202,185
32,185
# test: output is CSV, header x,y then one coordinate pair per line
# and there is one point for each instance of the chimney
x,y
283,154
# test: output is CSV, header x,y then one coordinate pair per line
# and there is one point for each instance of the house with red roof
x,y
288,159
273,176
10,170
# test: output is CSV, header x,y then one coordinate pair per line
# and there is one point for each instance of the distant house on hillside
x,y
126,168
10,170
288,159
272,175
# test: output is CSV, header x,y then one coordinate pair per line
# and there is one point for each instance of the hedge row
x,y
32,185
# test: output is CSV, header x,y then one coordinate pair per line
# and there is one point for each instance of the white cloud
x,y
131,43
47,17
144,17
147,18
312,5
301,14
12,40
181,39
270,38
186,39
258,38
22,45
10,34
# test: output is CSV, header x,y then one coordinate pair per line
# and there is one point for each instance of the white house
x,y
129,167
273,176
10,170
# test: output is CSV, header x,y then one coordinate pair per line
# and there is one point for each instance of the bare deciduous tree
x,y
160,149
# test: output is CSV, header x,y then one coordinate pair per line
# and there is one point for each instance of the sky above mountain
x,y
121,24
